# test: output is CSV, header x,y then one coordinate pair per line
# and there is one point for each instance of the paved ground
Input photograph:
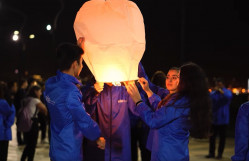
x,y
198,149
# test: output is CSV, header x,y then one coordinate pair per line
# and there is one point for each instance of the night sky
x,y
213,34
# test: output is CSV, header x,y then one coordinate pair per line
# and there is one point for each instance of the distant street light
x,y
16,32
48,27
15,37
32,36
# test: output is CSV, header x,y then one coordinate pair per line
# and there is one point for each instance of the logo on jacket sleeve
x,y
49,100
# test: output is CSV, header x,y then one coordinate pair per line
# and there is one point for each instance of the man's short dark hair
x,y
66,54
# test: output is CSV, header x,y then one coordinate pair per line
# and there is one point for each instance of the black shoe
x,y
209,156
219,157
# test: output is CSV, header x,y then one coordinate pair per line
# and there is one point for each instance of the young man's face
x,y
78,67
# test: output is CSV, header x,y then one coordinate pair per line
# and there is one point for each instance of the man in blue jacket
x,y
242,134
69,121
115,113
221,99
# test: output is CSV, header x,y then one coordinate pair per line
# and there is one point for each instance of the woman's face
x,y
38,93
172,80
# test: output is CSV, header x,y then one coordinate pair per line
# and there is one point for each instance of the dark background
x,y
213,34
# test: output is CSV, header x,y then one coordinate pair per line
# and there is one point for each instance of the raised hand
x,y
133,91
145,85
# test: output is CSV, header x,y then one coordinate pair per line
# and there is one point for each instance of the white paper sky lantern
x,y
114,38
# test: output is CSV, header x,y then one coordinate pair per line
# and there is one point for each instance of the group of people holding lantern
x,y
107,29
111,40
170,113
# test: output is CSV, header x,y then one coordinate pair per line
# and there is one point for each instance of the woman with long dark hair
x,y
180,114
34,104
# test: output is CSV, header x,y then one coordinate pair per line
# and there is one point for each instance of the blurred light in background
x,y
16,71
15,37
32,36
16,32
49,27
235,91
248,85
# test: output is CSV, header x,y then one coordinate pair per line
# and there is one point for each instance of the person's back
x,y
242,134
21,93
7,117
68,120
59,94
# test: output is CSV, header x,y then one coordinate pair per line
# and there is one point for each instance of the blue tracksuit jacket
x,y
7,119
69,121
171,128
220,108
112,106
242,134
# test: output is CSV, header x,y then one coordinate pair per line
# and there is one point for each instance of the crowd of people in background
x,y
145,114
14,95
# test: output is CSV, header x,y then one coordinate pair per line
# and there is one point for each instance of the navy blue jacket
x,y
7,118
112,106
69,121
171,128
242,134
221,103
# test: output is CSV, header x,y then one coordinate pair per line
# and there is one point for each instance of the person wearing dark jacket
x,y
20,95
7,118
69,122
177,116
221,98
242,134
115,112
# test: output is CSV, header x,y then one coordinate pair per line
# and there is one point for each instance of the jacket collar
x,y
64,76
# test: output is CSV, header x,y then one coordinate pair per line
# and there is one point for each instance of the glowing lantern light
x,y
114,38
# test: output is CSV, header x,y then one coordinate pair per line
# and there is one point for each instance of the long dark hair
x,y
193,84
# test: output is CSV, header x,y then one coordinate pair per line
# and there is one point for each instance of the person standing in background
x,y
7,119
159,78
34,105
221,98
21,94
